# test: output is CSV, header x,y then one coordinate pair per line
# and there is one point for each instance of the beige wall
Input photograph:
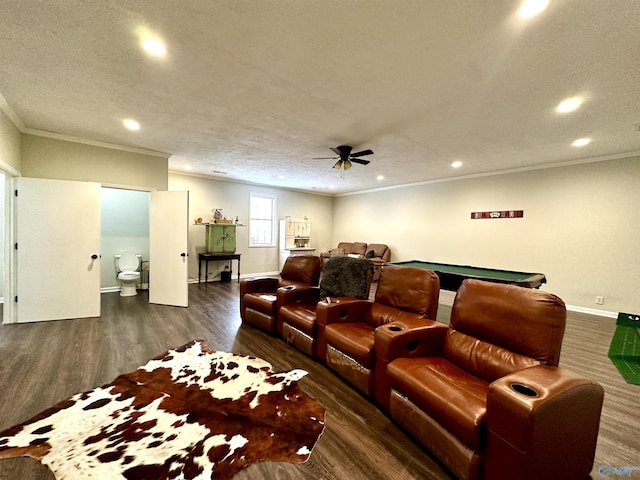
x,y
9,143
206,194
580,227
44,157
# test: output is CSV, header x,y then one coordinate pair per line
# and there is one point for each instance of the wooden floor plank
x,y
43,363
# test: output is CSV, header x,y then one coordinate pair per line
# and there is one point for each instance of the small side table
x,y
208,257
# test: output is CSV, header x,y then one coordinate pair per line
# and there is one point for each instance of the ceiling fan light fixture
x,y
347,164
338,164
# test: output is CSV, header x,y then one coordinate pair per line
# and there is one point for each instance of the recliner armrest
x,y
338,310
419,337
409,337
341,310
542,422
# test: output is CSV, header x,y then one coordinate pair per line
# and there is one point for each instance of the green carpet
x,y
624,351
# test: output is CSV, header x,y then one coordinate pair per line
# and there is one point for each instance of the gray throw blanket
x,y
346,277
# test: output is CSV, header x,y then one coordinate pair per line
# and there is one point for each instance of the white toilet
x,y
127,266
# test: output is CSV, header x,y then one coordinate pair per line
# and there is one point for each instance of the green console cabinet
x,y
221,238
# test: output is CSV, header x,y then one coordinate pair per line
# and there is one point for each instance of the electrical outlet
x,y
599,300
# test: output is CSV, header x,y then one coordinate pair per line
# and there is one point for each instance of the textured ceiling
x,y
255,89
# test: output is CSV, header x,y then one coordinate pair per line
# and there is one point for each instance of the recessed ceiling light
x,y
581,142
569,105
531,8
131,124
280,177
154,47
380,178
188,167
456,164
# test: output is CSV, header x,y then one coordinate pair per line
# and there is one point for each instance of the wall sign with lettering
x,y
498,214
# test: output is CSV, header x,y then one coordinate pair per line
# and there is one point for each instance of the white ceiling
x,y
256,88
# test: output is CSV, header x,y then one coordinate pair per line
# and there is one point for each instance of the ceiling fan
x,y
346,158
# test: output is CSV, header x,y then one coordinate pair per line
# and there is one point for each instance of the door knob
x,y
184,254
94,256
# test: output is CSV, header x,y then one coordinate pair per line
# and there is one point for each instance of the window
x,y
262,210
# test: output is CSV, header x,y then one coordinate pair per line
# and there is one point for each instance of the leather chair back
x,y
358,248
404,289
344,247
301,269
497,329
378,250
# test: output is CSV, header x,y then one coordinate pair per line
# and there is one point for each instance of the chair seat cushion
x,y
300,316
452,397
262,302
353,339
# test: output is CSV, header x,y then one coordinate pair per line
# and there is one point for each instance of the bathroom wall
x,y
125,227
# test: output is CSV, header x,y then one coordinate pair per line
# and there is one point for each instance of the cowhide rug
x,y
192,413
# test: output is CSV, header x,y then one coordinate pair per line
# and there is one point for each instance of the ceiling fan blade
x,y
347,164
360,161
336,151
362,153
324,158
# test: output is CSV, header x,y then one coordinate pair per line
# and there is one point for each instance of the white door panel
x,y
58,232
168,248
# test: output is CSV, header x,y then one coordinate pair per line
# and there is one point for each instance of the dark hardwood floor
x,y
43,363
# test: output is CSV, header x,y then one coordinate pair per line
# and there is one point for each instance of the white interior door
x,y
168,248
58,254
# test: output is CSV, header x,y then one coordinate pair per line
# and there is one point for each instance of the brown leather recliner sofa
x,y
346,248
258,296
346,327
485,394
378,253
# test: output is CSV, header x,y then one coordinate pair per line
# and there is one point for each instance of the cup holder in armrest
x,y
395,328
288,287
523,390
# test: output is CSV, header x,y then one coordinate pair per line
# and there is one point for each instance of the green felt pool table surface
x,y
451,276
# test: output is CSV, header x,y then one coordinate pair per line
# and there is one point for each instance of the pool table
x,y
451,276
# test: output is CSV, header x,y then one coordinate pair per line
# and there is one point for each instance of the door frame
x,y
9,310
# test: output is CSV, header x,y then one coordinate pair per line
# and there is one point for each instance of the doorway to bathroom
x,y
124,228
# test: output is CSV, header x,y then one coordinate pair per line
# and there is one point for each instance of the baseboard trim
x,y
109,289
144,286
447,297
592,311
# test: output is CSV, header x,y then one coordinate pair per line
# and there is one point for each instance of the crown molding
x,y
568,163
93,143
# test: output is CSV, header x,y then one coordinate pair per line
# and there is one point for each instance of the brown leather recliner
x,y
258,296
485,394
346,329
346,248
343,278
379,254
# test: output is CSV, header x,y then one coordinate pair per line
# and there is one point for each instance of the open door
x,y
168,248
58,249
